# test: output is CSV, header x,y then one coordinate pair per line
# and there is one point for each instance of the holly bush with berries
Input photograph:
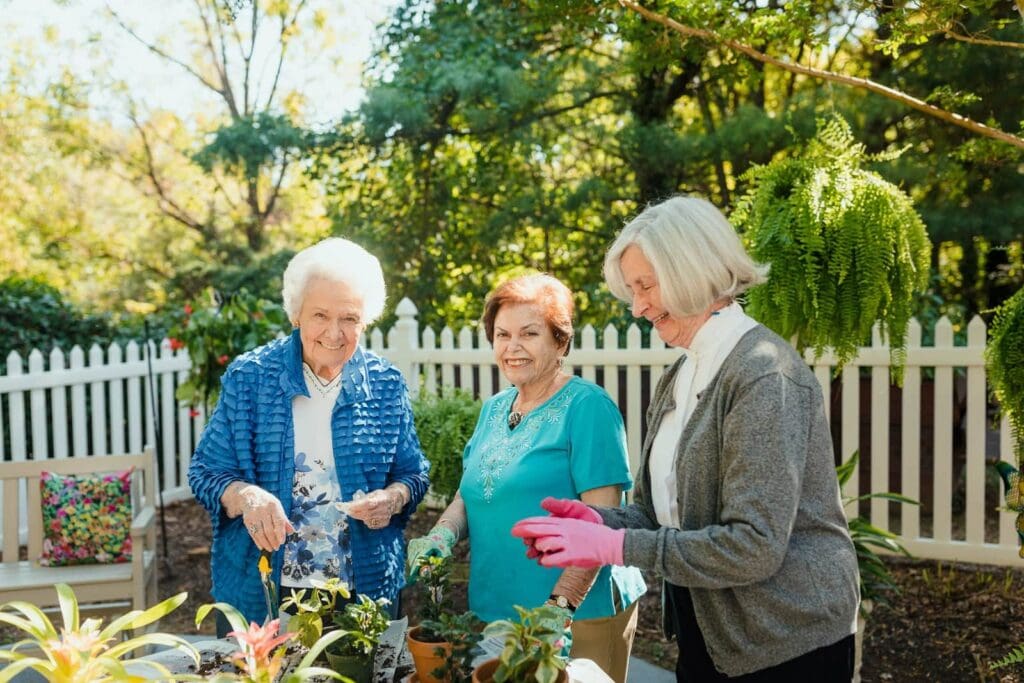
x,y
215,329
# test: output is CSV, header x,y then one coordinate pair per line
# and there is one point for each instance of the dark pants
x,y
829,664
394,609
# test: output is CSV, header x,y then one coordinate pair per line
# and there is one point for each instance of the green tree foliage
x,y
34,315
504,136
499,137
846,248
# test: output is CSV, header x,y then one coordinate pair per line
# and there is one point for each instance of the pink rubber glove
x,y
567,542
563,507
569,508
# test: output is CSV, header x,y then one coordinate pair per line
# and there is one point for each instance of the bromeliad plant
x,y
85,651
846,247
261,650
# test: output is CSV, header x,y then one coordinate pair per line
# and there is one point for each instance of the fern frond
x,y
1016,656
845,246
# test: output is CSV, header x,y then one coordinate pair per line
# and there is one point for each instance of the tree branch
x,y
286,26
863,83
166,204
221,66
160,53
984,41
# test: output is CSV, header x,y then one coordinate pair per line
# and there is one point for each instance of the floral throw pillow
x,y
86,518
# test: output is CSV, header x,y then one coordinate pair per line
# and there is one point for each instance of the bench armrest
x,y
143,522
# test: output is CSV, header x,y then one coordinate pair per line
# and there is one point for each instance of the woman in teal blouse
x,y
549,435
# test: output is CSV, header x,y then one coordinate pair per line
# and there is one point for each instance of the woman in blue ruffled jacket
x,y
302,426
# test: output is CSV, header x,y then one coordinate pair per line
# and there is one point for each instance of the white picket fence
x,y
111,412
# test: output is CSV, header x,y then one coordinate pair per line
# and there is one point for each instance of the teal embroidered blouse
x,y
573,442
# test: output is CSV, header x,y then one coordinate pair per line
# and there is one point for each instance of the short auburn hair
x,y
542,290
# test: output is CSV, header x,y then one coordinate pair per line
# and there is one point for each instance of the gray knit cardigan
x,y
762,543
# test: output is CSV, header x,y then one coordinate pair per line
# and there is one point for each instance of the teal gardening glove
x,y
437,543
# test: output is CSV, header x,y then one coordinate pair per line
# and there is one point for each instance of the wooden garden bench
x,y
105,587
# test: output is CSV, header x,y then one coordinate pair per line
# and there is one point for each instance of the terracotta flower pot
x,y
424,655
485,672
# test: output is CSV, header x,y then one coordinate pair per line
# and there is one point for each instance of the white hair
x,y
336,260
695,252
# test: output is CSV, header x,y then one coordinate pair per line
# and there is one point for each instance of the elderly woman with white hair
x,y
302,426
737,504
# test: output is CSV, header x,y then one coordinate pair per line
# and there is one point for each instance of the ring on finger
x,y
253,528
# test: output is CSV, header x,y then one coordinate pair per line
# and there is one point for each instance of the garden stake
x,y
157,435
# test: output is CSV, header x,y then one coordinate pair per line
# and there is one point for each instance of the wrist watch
x,y
563,602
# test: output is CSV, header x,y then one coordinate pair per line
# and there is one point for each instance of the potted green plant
x,y
361,624
85,650
428,647
314,609
845,246
461,632
531,651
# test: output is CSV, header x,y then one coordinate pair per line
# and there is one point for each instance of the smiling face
x,y
642,282
524,347
330,322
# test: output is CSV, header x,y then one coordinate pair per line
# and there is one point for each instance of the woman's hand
x,y
437,543
263,516
376,508
567,542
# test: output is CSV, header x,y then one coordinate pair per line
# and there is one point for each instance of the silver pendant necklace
x,y
516,416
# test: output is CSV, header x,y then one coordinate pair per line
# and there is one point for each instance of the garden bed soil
x,y
947,624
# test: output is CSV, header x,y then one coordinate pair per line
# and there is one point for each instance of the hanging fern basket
x,y
1004,361
845,246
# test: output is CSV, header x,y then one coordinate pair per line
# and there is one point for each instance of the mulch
x,y
948,623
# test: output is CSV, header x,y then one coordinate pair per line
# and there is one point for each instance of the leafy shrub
x,y
846,247
444,424
217,331
34,315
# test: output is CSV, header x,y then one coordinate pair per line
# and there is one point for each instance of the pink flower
x,y
176,343
192,412
257,648
223,359
188,309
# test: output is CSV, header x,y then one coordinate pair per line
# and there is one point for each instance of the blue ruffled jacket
x,y
251,437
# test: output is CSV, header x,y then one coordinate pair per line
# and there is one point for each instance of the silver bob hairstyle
x,y
336,260
695,252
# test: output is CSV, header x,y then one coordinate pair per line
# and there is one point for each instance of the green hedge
x,y
444,425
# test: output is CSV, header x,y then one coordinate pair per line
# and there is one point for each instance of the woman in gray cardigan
x,y
737,504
